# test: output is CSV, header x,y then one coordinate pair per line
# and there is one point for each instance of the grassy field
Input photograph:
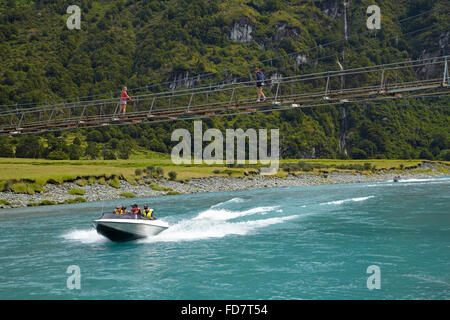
x,y
43,171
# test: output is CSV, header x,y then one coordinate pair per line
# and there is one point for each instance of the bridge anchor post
x,y
445,78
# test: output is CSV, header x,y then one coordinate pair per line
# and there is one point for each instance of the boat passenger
x,y
118,210
124,210
148,213
135,209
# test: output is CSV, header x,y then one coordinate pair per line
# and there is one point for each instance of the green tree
x,y
94,136
29,146
75,152
58,155
357,153
6,149
426,154
109,154
76,141
92,150
124,150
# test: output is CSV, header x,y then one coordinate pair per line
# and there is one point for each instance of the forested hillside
x,y
153,46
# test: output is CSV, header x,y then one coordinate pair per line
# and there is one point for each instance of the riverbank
x,y
72,192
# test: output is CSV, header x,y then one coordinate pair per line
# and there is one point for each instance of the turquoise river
x,y
287,243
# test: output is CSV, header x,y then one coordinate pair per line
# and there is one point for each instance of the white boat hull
x,y
129,229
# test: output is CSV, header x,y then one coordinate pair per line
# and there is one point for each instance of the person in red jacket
x,y
136,210
123,101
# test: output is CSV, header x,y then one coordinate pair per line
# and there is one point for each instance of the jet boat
x,y
127,227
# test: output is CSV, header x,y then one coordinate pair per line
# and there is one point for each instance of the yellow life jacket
x,y
117,211
148,213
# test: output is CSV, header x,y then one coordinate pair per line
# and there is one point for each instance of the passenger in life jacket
x,y
118,210
124,210
136,210
148,213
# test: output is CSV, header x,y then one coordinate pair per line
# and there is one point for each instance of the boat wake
x,y
347,200
85,236
423,180
190,230
234,200
215,223
224,214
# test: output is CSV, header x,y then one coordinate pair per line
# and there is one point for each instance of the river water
x,y
287,243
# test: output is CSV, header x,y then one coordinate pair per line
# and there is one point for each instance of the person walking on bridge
x,y
123,101
259,84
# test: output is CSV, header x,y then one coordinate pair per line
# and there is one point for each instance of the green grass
x,y
156,187
47,203
76,200
42,203
4,202
130,179
77,192
26,188
82,182
172,193
128,195
115,183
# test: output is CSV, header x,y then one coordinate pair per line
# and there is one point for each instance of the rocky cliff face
x,y
331,8
241,31
282,31
183,80
433,71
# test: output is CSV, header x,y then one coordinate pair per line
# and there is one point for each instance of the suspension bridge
x,y
422,78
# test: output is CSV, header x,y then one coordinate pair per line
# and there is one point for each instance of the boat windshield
x,y
109,215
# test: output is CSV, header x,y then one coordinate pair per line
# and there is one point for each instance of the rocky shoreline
x,y
57,194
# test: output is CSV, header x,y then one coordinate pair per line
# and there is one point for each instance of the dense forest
x,y
169,45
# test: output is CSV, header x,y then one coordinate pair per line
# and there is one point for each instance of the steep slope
x,y
162,45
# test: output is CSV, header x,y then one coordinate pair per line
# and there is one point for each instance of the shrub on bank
x,y
81,182
228,172
77,192
4,202
115,183
156,187
25,188
128,195
42,203
47,203
172,175
154,172
76,200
